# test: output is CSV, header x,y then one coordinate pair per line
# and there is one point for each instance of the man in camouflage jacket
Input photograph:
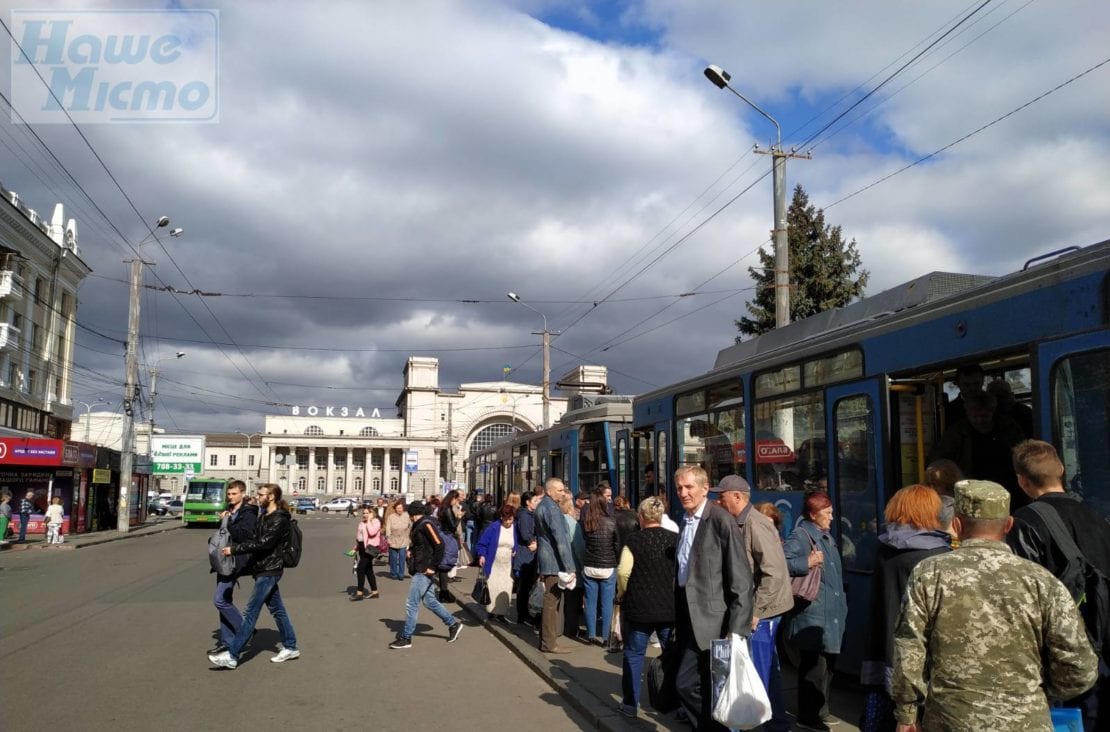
x,y
984,635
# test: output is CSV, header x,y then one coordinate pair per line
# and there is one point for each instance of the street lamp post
x,y
88,410
154,394
720,79
127,448
546,359
249,437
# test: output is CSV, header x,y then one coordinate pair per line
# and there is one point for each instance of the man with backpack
x,y
1068,538
275,545
425,557
241,520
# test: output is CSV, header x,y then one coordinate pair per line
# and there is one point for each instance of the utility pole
x,y
127,449
546,379
450,442
720,79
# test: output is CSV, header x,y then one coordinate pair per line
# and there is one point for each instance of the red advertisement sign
x,y
767,451
30,451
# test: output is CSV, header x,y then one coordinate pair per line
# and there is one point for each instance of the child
x,y
53,519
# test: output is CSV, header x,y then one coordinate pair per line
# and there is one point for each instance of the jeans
x,y
230,617
765,655
470,537
423,590
397,563
636,637
24,519
605,588
266,593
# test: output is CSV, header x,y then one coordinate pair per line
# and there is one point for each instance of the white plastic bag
x,y
740,700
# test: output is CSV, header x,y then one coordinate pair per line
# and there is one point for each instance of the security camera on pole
x,y
127,448
720,79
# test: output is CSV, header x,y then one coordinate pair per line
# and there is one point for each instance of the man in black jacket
x,y
266,565
1040,473
242,520
425,554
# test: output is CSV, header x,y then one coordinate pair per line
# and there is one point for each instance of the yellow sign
x,y
102,475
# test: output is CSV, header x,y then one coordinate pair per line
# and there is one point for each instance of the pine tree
x,y
824,270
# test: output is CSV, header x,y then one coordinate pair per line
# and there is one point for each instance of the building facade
x,y
349,450
40,270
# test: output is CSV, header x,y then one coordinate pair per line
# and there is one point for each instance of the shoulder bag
x,y
805,589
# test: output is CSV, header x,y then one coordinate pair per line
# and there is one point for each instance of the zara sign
x,y
314,411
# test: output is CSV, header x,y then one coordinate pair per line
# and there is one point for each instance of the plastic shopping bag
x,y
739,699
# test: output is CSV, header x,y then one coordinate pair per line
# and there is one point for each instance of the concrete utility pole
x,y
546,359
720,79
131,368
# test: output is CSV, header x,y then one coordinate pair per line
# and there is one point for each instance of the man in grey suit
x,y
713,590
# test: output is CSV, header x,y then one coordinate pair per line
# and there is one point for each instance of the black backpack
x,y
1089,587
291,552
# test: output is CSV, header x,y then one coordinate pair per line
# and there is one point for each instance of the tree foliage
x,y
824,270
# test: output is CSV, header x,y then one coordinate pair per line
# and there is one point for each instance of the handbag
x,y
616,642
465,559
535,598
480,593
805,588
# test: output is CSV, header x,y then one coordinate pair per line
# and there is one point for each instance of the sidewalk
x,y
589,678
154,525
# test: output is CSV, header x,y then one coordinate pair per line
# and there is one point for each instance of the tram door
x,y
856,432
1072,403
625,466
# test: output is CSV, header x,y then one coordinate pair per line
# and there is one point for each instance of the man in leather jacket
x,y
266,565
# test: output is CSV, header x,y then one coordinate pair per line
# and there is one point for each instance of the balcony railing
x,y
10,285
8,334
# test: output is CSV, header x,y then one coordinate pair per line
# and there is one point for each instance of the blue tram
x,y
853,400
580,448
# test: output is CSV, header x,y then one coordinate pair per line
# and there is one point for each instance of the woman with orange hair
x,y
913,531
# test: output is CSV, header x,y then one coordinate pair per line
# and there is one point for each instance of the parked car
x,y
304,505
337,504
155,508
175,507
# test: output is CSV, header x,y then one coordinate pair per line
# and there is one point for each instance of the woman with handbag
x,y
496,547
368,538
397,526
815,627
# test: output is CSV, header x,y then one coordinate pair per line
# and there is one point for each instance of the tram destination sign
x,y
177,454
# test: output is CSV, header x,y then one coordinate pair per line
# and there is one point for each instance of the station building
x,y
350,450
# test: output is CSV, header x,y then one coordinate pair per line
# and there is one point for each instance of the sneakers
x,y
223,659
285,654
453,633
401,642
373,594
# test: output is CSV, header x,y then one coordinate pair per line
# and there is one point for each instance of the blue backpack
x,y
450,545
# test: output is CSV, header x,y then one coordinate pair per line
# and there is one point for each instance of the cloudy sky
x,y
381,174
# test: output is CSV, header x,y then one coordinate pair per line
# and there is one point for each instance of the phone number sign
x,y
177,468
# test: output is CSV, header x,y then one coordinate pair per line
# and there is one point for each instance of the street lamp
x,y
154,394
546,359
131,368
88,410
249,437
720,79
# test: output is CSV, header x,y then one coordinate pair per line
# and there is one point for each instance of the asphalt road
x,y
114,637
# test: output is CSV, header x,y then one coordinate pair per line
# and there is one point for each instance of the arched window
x,y
393,484
358,485
302,483
377,485
489,435
339,485
319,485
368,432
313,431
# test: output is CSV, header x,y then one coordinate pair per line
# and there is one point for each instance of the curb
x,y
601,715
128,535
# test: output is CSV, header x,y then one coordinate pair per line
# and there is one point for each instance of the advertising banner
x,y
179,454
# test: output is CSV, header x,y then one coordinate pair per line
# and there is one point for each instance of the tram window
x,y
790,443
715,441
689,403
662,475
828,370
856,485
1081,421
782,381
